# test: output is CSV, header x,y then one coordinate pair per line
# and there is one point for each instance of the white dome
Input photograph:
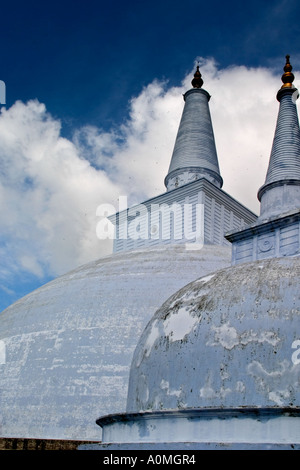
x,y
69,344
225,340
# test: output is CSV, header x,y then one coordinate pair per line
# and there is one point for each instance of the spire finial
x,y
197,81
288,77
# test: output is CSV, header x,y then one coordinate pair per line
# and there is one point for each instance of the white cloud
x,y
50,187
48,193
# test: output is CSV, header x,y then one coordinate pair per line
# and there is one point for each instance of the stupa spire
x,y
194,155
281,190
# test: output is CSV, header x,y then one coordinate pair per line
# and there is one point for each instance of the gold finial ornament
x,y
288,77
197,81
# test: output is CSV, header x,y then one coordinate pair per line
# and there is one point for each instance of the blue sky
x,y
85,60
93,101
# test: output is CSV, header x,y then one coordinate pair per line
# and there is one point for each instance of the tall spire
x,y
281,190
194,155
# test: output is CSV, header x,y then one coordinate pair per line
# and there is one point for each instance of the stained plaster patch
x,y
150,340
164,385
208,392
205,279
228,337
280,384
179,324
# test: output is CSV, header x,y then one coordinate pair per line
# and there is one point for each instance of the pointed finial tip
x,y
288,77
197,81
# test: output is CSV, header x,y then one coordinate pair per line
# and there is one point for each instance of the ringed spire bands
x,y
281,190
194,155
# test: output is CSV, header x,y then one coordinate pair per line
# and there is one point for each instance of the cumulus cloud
x,y
137,155
48,194
50,186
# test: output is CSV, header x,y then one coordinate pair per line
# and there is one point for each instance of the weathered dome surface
x,y
224,340
69,344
